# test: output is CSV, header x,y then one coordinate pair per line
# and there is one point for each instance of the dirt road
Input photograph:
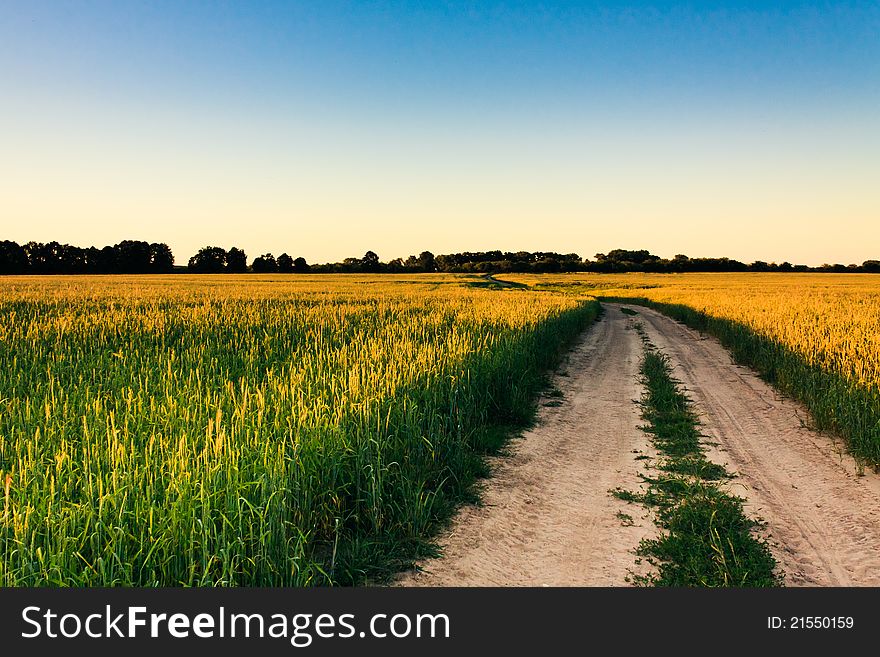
x,y
547,517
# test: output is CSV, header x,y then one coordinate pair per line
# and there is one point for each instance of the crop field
x,y
322,429
253,430
814,336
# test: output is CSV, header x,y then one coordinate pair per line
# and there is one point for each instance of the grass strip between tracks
x,y
706,538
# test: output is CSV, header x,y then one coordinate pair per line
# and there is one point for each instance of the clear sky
x,y
327,128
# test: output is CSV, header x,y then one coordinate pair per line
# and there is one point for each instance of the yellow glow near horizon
x,y
327,191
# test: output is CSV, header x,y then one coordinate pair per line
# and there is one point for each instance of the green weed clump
x,y
706,538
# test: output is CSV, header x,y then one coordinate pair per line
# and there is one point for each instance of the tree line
x,y
616,261
621,260
139,257
126,257
134,257
216,260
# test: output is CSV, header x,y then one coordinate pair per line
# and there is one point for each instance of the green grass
x,y
706,539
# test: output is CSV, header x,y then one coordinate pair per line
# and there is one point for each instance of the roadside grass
x,y
706,540
836,403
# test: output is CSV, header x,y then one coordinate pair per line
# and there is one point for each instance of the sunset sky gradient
x,y
324,129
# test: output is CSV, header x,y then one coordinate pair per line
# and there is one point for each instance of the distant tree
x,y
71,259
13,258
209,260
43,258
570,262
107,261
546,265
370,262
300,266
93,260
236,261
679,263
133,256
265,264
426,261
36,255
871,266
161,258
350,265
624,259
641,256
285,263
445,262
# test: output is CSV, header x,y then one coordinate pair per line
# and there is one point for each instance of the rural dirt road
x,y
547,517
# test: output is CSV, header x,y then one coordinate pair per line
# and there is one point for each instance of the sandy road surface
x,y
547,517
823,519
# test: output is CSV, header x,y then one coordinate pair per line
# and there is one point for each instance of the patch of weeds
x,y
706,538
628,311
626,495
709,541
696,467
626,520
647,499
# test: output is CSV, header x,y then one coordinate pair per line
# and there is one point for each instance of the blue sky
x,y
327,128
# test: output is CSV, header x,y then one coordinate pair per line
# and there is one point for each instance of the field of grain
x,y
814,336
309,430
252,430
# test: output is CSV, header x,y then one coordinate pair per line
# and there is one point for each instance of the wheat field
x,y
185,430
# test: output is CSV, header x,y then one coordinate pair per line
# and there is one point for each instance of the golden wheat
x,y
191,430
